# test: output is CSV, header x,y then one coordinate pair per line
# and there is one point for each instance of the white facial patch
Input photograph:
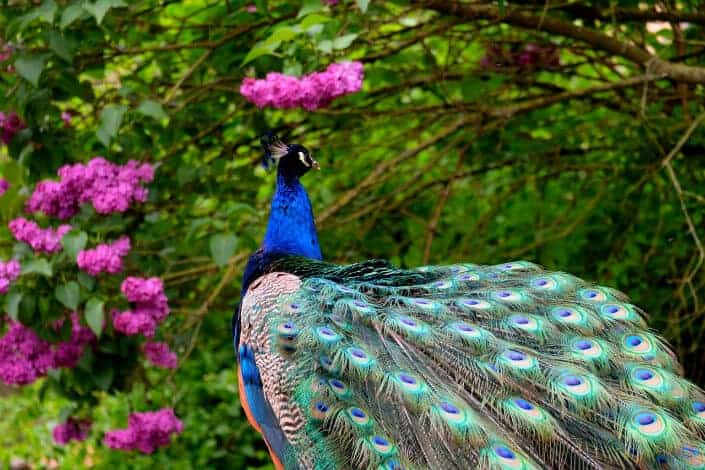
x,y
302,159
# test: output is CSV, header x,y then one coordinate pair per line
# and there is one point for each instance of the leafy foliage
x,y
458,148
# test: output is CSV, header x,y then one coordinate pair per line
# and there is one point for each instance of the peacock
x,y
461,366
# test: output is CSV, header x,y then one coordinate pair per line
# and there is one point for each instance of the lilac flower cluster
x,y
67,354
10,124
41,240
108,187
4,186
528,56
160,355
145,431
310,92
9,272
150,309
72,429
6,50
104,258
25,357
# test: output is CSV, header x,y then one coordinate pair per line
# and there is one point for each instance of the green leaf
x,y
39,266
362,5
310,6
283,34
94,315
86,281
325,46
71,14
28,306
30,67
152,109
68,294
101,7
313,20
12,304
259,50
47,11
66,412
103,377
222,248
110,120
343,41
73,242
60,46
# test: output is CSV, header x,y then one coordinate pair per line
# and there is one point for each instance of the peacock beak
x,y
314,164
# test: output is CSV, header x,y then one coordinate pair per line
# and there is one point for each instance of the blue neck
x,y
291,229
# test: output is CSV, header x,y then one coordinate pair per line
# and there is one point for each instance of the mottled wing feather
x,y
467,366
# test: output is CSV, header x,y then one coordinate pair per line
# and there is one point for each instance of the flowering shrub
x,y
9,272
41,240
68,353
106,186
310,92
24,356
71,430
104,258
10,124
526,56
150,307
146,431
160,355
57,323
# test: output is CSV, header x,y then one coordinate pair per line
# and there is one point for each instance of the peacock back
x,y
462,366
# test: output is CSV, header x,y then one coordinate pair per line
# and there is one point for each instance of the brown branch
x,y
438,210
371,178
652,63
630,14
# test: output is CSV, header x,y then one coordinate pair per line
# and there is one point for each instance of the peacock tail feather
x,y
465,366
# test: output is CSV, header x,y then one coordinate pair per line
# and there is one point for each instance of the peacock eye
x,y
302,159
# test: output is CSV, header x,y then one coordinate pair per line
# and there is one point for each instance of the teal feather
x,y
470,366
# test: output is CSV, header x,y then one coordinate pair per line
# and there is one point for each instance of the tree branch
x,y
630,14
652,63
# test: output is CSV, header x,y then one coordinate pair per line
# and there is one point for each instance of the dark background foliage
x,y
570,135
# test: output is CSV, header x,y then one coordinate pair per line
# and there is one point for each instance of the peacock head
x,y
293,159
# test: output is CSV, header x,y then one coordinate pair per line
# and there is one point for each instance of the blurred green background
x,y
485,132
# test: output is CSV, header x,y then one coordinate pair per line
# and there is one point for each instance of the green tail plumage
x,y
466,366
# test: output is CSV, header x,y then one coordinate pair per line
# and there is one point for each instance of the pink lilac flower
x,y
67,354
310,92
104,258
24,357
106,186
150,306
160,355
66,117
530,55
9,272
4,186
146,431
10,124
41,240
5,51
330,2
72,429
251,8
